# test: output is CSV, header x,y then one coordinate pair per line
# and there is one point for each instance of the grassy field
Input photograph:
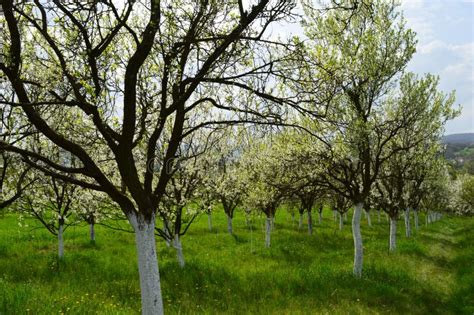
x,y
432,273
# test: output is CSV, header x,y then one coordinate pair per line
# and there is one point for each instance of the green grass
x,y
432,273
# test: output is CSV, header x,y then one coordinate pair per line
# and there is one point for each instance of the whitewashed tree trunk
x,y
150,287
92,231
320,217
407,223
310,223
334,214
357,236
341,222
60,241
229,224
369,221
393,234
209,221
268,231
417,222
300,223
179,250
378,216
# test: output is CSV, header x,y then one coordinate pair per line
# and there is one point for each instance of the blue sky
x,y
445,31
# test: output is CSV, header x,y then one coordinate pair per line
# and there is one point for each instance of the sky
x,y
445,32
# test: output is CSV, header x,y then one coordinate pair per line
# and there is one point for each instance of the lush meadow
x,y
431,273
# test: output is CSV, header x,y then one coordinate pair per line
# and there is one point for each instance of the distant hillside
x,y
459,138
460,150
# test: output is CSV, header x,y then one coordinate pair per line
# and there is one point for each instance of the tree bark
x,y
209,221
334,214
310,223
369,221
150,287
320,217
417,222
393,234
341,222
268,230
60,241
229,224
300,223
378,216
167,233
179,250
92,231
357,236
407,223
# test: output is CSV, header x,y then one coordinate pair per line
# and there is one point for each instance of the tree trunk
x,y
60,241
150,288
300,223
229,224
417,223
358,247
341,222
407,223
179,250
345,216
268,230
369,221
334,214
92,231
320,217
310,223
167,233
292,218
378,216
393,234
209,221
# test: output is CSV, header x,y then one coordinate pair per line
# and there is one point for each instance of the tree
x,y
362,52
53,203
130,71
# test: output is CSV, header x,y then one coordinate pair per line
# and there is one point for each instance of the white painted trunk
x,y
310,223
369,221
229,225
209,221
152,302
300,223
61,241
393,234
417,222
268,231
334,214
341,222
179,250
92,231
357,236
407,223
320,217
378,216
